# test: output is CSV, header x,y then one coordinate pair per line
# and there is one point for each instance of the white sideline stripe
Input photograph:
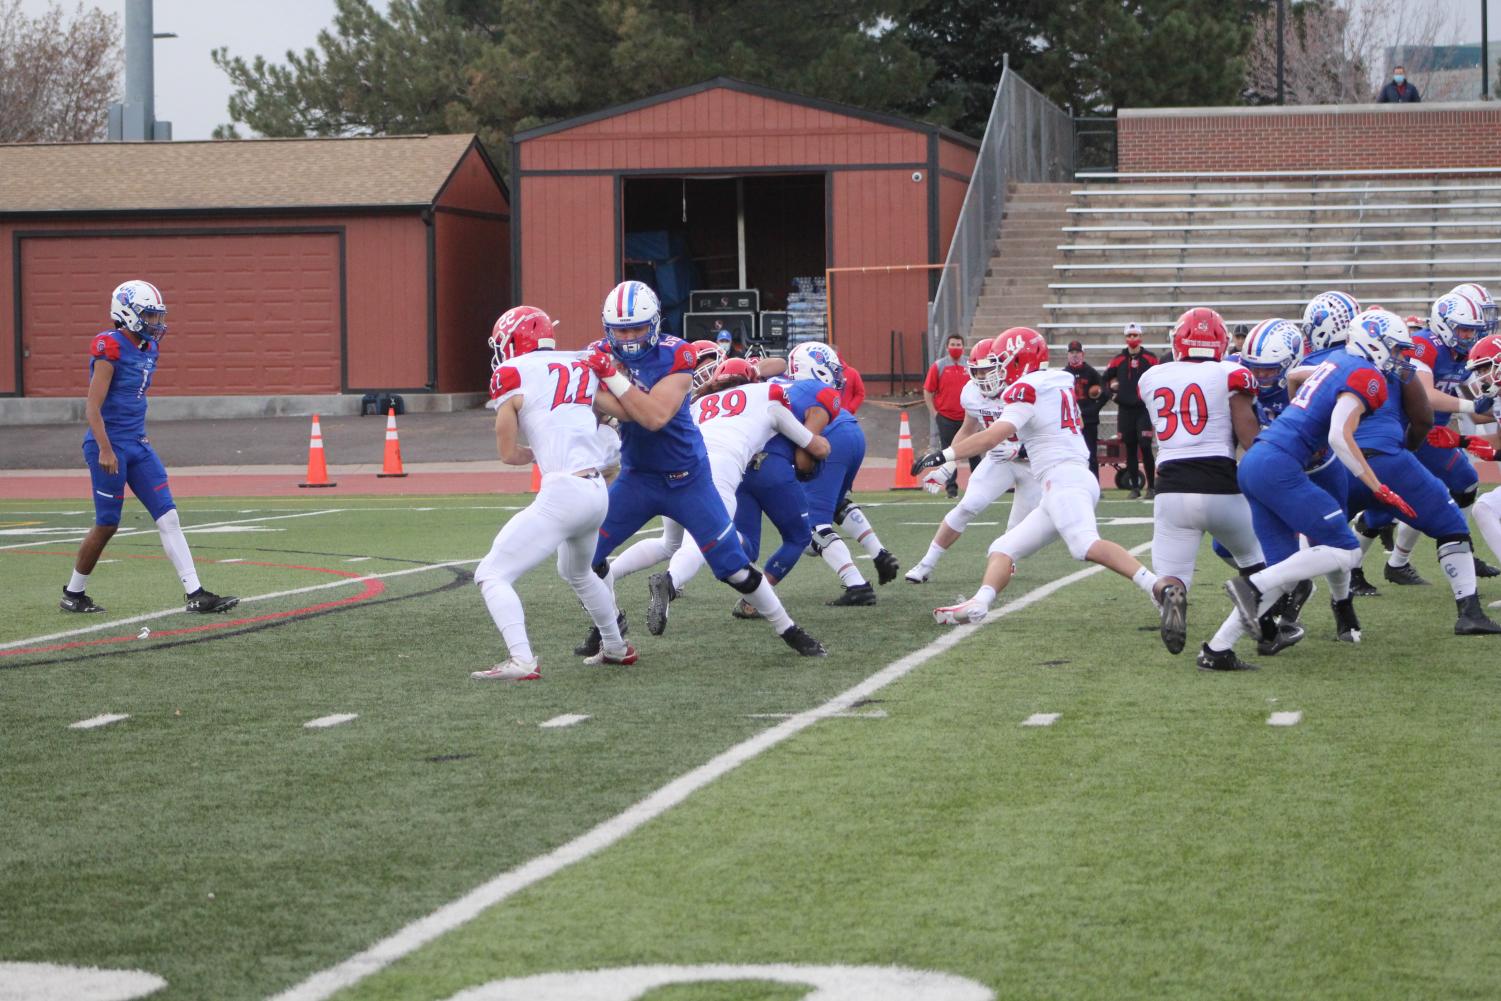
x,y
567,719
237,559
103,719
323,722
1285,719
123,533
148,616
872,714
1041,719
357,559
451,915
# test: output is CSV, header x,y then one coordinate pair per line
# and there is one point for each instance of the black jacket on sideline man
x,y
1128,369
1406,94
1085,376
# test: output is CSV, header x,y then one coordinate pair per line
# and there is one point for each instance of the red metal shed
x,y
302,266
776,184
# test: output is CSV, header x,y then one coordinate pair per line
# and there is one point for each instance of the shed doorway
x,y
757,231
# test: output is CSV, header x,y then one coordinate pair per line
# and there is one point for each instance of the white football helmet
x,y
1326,318
1488,308
632,305
1458,319
137,306
1381,338
816,360
1273,348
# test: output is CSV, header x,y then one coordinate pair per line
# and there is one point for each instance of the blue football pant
x,y
636,497
1438,517
775,490
140,469
1286,502
837,476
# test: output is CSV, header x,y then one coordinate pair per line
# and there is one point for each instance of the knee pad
x,y
745,580
1464,498
841,509
602,569
823,537
1451,545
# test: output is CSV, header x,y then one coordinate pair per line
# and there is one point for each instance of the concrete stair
x,y
1016,282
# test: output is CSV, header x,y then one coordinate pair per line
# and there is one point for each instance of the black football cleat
x,y
1174,602
662,594
1294,600
860,594
1221,660
744,610
1346,624
207,602
1388,537
594,643
78,602
1472,620
1360,587
886,566
1279,638
1247,601
1406,575
1484,569
805,645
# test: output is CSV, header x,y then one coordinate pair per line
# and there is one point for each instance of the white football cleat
x,y
919,574
965,613
625,656
512,670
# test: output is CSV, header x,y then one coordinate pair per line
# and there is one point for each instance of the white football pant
x,y
564,519
1069,495
988,483
1180,521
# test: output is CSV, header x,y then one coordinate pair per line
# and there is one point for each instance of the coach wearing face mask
x,y
1125,371
940,390
1399,90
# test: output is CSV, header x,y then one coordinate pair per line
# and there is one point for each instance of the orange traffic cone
x,y
392,464
536,477
904,480
317,468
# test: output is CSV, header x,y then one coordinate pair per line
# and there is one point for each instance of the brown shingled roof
x,y
250,173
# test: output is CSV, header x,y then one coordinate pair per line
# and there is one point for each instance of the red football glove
x,y
1480,448
1388,496
1444,437
600,364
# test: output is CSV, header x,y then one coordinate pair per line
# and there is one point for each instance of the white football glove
x,y
936,481
1006,450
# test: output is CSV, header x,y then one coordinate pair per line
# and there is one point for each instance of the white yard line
x,y
1041,719
103,719
127,532
148,616
1292,718
567,719
458,912
323,722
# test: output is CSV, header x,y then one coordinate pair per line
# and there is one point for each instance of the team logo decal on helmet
x,y
1381,338
816,360
137,306
632,306
1326,318
1458,319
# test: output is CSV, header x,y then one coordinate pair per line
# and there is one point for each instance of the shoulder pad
x,y
105,346
683,355
1021,392
1425,351
1369,385
828,398
505,380
1242,381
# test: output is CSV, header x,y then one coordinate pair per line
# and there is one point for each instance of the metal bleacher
x,y
1262,244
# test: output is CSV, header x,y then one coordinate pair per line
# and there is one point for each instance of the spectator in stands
x,y
1238,339
1089,390
1125,371
1399,90
940,391
732,347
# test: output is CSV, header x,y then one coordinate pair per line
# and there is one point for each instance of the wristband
x,y
616,383
948,454
1467,406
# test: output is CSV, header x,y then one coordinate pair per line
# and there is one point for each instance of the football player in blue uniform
x,y
664,467
828,489
121,363
1285,502
1455,323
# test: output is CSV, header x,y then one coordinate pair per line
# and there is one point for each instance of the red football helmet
x,y
518,331
1019,350
1200,333
734,372
1484,363
707,356
985,368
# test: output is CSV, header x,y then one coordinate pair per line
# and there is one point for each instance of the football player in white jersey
x,y
1039,408
547,396
1201,408
737,415
1002,468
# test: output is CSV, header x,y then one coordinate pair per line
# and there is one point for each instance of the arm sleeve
x,y
788,426
1347,404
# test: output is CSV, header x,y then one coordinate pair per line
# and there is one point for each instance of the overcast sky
x,y
192,93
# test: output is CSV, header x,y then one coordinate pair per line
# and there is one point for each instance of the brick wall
x,y
1314,137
